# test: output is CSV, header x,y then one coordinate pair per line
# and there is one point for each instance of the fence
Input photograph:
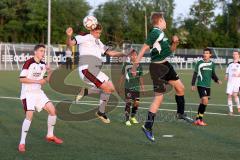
x,y
13,56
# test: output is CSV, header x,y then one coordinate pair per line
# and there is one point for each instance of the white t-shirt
x,y
68,53
35,71
233,71
90,46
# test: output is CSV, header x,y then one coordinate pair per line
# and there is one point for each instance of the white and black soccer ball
x,y
90,22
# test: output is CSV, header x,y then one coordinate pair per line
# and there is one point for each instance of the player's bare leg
x,y
25,128
236,99
52,117
230,104
107,88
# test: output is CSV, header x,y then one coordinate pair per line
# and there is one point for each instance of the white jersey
x,y
233,71
35,71
90,46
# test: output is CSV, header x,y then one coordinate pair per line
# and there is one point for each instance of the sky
x,y
179,8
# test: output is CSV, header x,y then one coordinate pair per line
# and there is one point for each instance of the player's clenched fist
x,y
175,39
69,31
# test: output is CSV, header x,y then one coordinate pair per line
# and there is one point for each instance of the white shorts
x,y
35,101
91,79
232,88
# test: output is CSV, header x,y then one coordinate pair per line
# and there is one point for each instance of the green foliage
x,y
122,20
125,19
27,20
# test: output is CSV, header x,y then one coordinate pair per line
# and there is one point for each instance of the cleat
x,y
103,117
184,117
80,95
200,123
148,134
128,123
21,148
134,120
230,114
54,139
180,116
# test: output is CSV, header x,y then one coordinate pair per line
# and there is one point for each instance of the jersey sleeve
x,y
103,47
196,67
25,68
153,36
79,39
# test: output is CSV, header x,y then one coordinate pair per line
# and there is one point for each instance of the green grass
x,y
95,140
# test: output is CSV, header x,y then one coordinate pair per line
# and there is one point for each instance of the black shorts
x,y
203,91
161,73
130,94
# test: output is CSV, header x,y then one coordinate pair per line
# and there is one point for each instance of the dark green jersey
x,y
131,82
159,45
205,72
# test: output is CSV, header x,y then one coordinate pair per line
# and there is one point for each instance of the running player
x,y
33,98
233,84
161,70
132,88
203,73
91,50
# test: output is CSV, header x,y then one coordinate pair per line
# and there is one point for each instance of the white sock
x,y
25,127
237,101
51,123
230,106
103,101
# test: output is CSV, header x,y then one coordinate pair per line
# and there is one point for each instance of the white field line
x,y
93,103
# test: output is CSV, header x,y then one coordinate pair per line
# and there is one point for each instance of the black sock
x,y
134,111
201,110
127,110
180,104
85,91
150,120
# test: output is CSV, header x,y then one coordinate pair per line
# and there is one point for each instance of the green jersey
x,y
205,72
159,45
132,82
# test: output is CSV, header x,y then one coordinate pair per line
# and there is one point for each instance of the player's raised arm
x,y
114,53
70,42
175,42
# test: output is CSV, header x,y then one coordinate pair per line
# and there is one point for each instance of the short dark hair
x,y
156,16
207,49
236,50
133,51
98,27
39,46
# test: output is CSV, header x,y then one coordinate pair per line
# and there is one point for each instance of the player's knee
x,y
205,101
29,115
136,103
180,89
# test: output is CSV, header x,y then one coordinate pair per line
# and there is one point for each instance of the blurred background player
x,y
91,50
132,88
68,54
33,98
204,72
161,70
233,82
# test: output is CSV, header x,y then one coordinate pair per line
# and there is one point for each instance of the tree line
x,y
25,21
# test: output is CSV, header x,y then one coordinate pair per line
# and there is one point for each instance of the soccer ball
x,y
90,22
